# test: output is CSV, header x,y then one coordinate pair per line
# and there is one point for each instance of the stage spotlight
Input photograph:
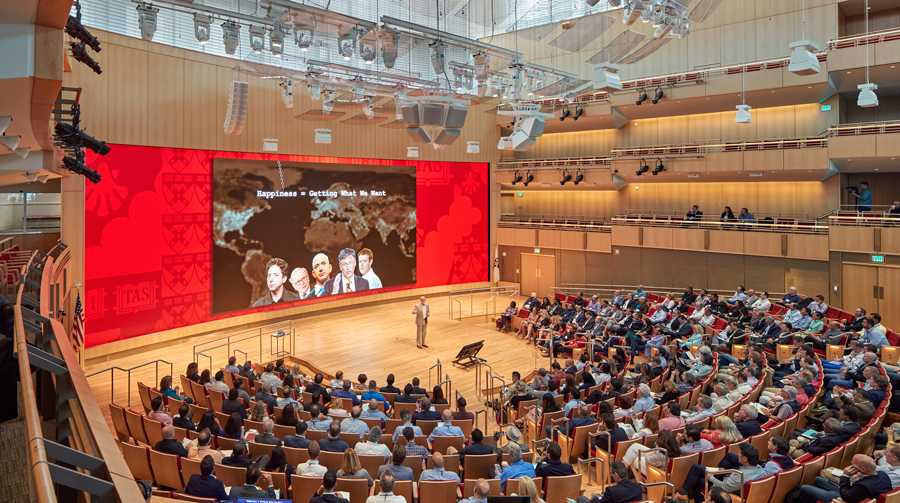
x,y
579,111
77,30
73,137
287,92
565,113
5,121
367,53
231,36
257,38
743,115
303,37
76,165
347,44
438,56
529,177
328,102
642,97
659,168
147,19
201,27
579,176
81,55
867,97
643,168
517,177
10,142
658,95
276,39
368,108
566,177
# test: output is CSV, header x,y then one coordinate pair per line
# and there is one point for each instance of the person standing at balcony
x,y
694,214
863,196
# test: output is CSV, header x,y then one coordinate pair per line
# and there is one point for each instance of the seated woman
x,y
639,456
165,387
527,325
695,339
504,322
725,432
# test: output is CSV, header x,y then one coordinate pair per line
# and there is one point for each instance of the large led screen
x,y
175,237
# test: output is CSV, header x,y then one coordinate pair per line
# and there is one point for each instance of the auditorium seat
x,y
135,426
357,487
138,460
678,468
575,446
188,497
756,491
189,467
512,485
295,456
331,460
440,444
787,480
434,491
451,463
469,486
224,443
427,426
713,457
401,487
479,466
417,465
350,438
144,393
303,487
257,449
165,470
280,481
557,489
119,423
153,430
231,475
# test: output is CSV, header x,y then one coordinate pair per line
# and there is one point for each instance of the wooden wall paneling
x,y
704,48
763,244
505,236
572,240
764,274
811,246
625,262
548,239
890,240
732,131
625,235
724,161
741,47
885,144
599,242
851,239
849,57
641,133
525,237
760,161
726,241
571,266
708,196
725,271
705,128
688,239
806,158
598,268
673,130
166,110
657,237
202,117
857,282
887,53
127,104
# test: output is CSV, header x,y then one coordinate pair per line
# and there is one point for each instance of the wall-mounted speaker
x,y
236,114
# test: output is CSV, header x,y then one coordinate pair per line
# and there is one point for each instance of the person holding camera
x,y
862,195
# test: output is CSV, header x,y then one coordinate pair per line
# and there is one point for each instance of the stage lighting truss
x,y
668,17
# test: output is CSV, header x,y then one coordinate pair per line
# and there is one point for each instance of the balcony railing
x,y
864,39
864,128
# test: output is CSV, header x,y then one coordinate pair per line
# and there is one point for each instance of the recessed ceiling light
x,y
849,72
809,87
772,91
874,169
893,66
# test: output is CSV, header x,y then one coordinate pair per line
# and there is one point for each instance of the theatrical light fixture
x,y
867,97
517,177
579,176
642,97
75,164
592,2
642,168
231,36
287,92
276,39
803,58
606,77
80,54
743,115
72,136
77,30
347,45
367,53
566,177
390,42
147,19
5,121
328,102
438,56
565,113
303,37
10,142
315,90
579,111
659,168
529,177
657,95
368,108
257,38
201,27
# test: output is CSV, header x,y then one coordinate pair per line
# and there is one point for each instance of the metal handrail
x,y
807,227
873,37
112,372
659,290
864,128
453,298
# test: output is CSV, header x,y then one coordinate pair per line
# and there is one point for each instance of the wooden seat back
x,y
165,470
437,491
357,487
138,460
559,489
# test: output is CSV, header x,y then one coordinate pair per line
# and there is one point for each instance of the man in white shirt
x,y
366,259
387,491
762,304
421,310
312,467
218,383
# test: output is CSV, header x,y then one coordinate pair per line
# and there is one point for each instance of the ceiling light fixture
x,y
579,111
147,14
231,36
642,97
529,177
517,177
303,37
201,27
347,45
659,168
579,176
657,95
642,168
565,113
867,97
257,38
566,177
438,56
276,39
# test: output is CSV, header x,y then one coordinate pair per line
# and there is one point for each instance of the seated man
x,y
333,442
328,495
861,481
354,424
446,428
267,436
345,392
623,489
169,444
387,491
206,485
312,467
396,468
747,463
553,466
437,472
517,467
257,485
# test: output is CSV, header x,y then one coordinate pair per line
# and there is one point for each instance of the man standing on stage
x,y
276,277
421,310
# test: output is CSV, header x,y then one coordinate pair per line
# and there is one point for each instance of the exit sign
x,y
825,108
878,259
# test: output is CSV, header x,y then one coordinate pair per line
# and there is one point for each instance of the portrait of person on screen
x,y
300,281
348,281
366,259
321,269
276,277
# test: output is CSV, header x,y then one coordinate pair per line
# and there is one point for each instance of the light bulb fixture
x,y
315,90
657,95
303,37
867,97
565,113
438,56
642,168
659,168
517,177
642,97
347,45
743,115
367,53
529,177
566,177
257,38
147,14
368,108
579,111
201,27
579,176
276,39
287,92
231,37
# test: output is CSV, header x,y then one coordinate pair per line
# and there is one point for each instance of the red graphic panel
x,y
148,240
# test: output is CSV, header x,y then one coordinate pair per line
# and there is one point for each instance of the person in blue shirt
x,y
346,392
446,428
318,421
872,335
863,196
746,217
517,467
373,412
373,393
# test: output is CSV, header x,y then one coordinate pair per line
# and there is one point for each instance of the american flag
x,y
78,323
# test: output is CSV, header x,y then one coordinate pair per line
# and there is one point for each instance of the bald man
x,y
169,444
861,481
421,311
437,471
321,270
480,492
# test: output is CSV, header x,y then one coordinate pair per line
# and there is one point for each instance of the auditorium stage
x,y
373,339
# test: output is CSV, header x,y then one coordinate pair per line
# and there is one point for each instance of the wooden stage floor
x,y
374,340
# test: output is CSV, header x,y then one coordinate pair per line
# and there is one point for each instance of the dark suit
x,y
242,461
328,498
333,444
170,446
871,486
182,422
248,491
749,428
296,441
552,468
623,492
391,389
266,300
206,487
229,406
326,286
266,398
267,438
426,415
476,450
359,283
